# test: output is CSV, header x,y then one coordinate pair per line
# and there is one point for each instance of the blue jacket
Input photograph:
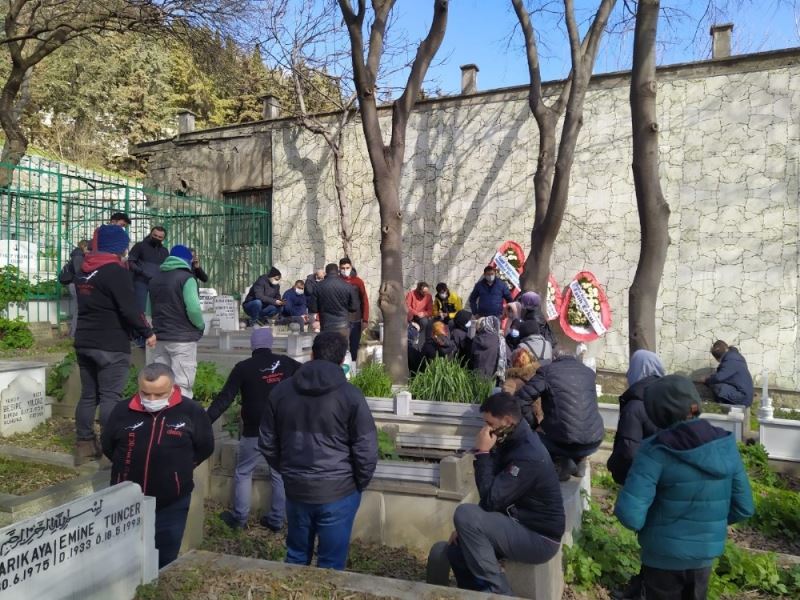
x,y
732,381
686,485
487,300
296,305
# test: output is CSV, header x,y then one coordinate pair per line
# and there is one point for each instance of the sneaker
x,y
264,522
229,520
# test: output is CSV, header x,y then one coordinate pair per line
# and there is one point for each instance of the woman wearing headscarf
x,y
634,424
532,311
489,349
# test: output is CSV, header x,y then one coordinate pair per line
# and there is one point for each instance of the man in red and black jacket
x,y
359,318
254,378
108,318
156,440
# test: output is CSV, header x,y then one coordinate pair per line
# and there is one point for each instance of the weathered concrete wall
x,y
730,166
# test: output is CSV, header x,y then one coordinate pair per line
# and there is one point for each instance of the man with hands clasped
x,y
520,516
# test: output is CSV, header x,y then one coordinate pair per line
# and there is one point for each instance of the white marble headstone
x,y
22,405
98,547
226,309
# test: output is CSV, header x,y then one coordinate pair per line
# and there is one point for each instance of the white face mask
x,y
489,278
443,295
345,272
515,333
155,404
468,325
299,291
274,281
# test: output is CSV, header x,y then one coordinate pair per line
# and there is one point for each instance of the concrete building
x,y
730,164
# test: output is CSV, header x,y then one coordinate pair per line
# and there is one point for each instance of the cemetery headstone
x,y
97,547
226,310
207,296
22,400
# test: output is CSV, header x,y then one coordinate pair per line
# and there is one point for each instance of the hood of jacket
x,y
523,373
701,445
173,263
318,377
644,364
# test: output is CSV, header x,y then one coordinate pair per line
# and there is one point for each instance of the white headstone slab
x,y
207,296
98,547
22,405
227,312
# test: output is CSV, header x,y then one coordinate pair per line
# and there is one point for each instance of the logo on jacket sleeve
x,y
175,428
513,470
135,426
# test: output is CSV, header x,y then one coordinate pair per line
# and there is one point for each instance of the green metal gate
x,y
46,211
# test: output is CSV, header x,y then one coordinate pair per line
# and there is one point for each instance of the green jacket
x,y
686,485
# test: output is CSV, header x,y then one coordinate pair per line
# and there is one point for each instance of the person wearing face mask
x,y
486,299
446,303
419,305
459,333
359,319
520,515
156,440
336,300
263,301
144,261
107,319
295,304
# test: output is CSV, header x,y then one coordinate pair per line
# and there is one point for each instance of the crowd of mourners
x,y
682,478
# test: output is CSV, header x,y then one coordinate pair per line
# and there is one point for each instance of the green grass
x,y
608,399
373,381
447,380
54,435
19,477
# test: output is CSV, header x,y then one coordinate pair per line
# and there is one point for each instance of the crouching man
x,y
156,440
520,516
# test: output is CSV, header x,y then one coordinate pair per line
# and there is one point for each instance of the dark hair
x,y
345,261
421,285
159,228
442,287
330,346
155,370
300,281
718,349
488,268
331,268
502,404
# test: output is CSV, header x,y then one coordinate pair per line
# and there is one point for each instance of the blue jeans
x,y
170,523
246,462
256,310
332,523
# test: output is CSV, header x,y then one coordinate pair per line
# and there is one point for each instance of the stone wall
x,y
730,167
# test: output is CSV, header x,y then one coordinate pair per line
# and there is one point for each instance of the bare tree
x,y
556,155
387,159
653,208
34,29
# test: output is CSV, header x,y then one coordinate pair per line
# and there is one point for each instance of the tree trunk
x,y
653,208
11,105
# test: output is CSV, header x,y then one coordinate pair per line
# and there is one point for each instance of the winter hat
x,y
669,400
462,318
112,238
530,300
644,364
261,338
182,252
273,272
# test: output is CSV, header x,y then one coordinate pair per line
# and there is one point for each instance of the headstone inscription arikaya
x,y
97,547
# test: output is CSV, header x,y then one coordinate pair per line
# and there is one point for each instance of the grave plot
x,y
22,397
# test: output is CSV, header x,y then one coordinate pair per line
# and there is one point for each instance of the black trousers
x,y
691,584
355,339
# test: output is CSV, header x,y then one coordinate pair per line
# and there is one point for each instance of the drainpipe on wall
x,y
721,40
469,79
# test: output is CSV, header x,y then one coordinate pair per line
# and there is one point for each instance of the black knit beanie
x,y
462,318
273,272
669,400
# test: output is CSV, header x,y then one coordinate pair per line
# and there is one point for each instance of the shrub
x,y
58,374
208,382
132,385
14,287
387,449
15,334
777,512
373,381
447,380
756,461
739,570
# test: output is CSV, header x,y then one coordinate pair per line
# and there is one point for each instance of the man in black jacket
x,y
334,300
732,383
107,319
254,378
520,516
263,301
156,440
318,432
572,427
144,260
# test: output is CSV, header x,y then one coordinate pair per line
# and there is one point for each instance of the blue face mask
x,y
514,333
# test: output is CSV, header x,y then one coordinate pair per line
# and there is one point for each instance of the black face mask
x,y
503,433
155,243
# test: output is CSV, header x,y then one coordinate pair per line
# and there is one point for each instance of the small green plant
x,y
207,382
132,385
447,380
14,287
786,413
608,399
49,289
58,374
777,512
756,461
387,449
739,570
373,381
15,334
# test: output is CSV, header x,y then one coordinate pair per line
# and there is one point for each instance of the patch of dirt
x,y
18,477
54,435
596,593
750,538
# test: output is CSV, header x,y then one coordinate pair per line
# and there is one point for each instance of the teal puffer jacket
x,y
686,485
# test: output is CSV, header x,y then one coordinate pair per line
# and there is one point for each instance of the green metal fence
x,y
49,208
